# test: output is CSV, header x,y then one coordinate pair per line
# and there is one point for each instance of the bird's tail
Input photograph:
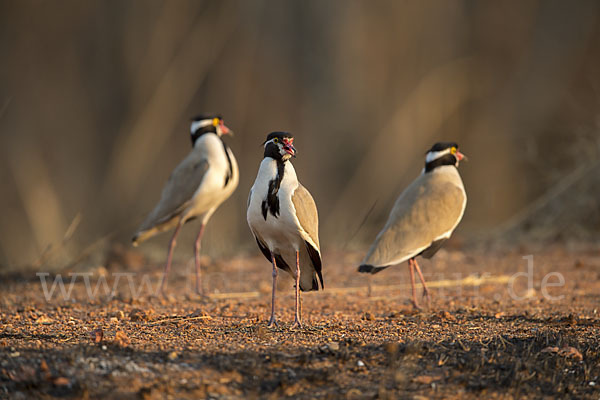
x,y
142,236
134,241
315,285
371,269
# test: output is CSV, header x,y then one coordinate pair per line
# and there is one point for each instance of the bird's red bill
x,y
225,129
288,146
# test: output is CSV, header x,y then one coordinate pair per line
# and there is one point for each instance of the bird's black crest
x,y
201,117
439,146
205,129
446,159
280,135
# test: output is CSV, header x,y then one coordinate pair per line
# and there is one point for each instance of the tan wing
x,y
429,208
306,212
177,193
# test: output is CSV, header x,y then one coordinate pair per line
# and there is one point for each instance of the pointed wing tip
x,y
365,268
315,284
370,269
320,275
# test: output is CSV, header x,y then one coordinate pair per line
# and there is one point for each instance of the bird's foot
x,y
426,296
200,292
200,297
415,305
297,324
272,322
160,293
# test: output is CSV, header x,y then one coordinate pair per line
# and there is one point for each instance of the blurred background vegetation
x,y
96,96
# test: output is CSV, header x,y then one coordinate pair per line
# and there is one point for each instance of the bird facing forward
x,y
424,216
282,216
196,187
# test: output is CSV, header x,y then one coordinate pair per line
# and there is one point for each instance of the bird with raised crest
x,y
423,217
282,216
196,188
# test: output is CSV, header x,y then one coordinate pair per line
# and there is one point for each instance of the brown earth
x,y
474,340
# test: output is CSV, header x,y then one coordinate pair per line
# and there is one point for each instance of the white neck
x,y
268,170
209,142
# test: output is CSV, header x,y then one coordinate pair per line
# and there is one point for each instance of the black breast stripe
x,y
264,208
271,203
230,170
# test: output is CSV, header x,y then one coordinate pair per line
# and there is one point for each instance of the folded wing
x,y
176,195
308,217
427,211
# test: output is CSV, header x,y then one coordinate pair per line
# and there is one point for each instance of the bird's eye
x,y
275,140
215,121
453,150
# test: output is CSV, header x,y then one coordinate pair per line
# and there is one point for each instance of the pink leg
x,y
272,320
163,282
197,256
425,290
298,316
411,267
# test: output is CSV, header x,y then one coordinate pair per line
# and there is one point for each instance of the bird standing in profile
x,y
424,216
282,216
196,187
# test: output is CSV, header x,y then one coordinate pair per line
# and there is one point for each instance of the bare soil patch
x,y
474,339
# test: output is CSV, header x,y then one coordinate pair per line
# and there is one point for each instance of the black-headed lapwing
x,y
282,215
196,187
424,216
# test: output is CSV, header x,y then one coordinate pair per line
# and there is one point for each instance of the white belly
x,y
279,233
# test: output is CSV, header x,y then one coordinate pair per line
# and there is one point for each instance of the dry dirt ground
x,y
487,333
